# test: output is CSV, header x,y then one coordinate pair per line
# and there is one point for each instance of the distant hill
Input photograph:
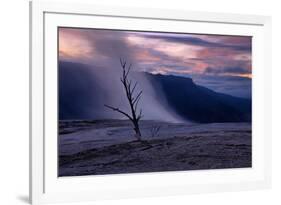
x,y
188,100
201,104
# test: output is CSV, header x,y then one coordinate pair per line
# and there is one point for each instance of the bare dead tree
x,y
133,98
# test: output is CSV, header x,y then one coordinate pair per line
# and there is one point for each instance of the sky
x,y
219,62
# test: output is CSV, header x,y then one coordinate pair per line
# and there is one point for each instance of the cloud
x,y
226,70
235,43
166,53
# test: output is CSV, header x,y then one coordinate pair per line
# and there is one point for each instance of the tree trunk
x,y
137,131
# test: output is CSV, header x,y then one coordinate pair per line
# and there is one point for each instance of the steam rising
x,y
152,102
104,71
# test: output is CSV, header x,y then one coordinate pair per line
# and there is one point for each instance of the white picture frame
x,y
46,187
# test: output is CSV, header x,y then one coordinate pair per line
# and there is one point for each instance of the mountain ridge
x,y
206,105
189,100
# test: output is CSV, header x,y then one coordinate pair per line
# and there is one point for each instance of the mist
x,y
91,87
153,103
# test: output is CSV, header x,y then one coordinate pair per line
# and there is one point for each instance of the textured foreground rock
x,y
198,149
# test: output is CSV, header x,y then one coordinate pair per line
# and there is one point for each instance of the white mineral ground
x,y
108,147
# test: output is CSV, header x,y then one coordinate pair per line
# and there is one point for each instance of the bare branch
x,y
118,110
132,91
129,85
136,104
123,63
129,69
154,131
140,115
138,96
126,72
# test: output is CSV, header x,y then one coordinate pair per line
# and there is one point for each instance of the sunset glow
x,y
201,57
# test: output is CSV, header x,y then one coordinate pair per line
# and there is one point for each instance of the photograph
x,y
132,101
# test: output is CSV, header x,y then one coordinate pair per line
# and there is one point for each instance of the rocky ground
x,y
108,147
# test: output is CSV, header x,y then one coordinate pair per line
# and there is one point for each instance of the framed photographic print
x,y
129,102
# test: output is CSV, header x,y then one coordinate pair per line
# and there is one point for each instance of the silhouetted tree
x,y
133,98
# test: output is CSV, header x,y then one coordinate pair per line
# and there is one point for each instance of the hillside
x,y
78,85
